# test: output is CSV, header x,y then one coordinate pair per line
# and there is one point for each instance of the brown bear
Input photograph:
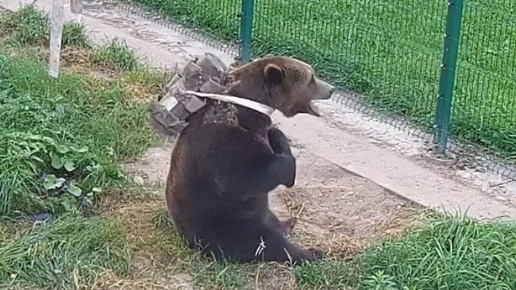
x,y
228,159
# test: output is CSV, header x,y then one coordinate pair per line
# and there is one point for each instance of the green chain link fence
x,y
392,54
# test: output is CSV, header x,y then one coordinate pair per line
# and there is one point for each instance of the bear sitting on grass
x,y
228,159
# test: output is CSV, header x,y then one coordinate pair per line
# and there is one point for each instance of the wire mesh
x,y
386,55
389,52
484,108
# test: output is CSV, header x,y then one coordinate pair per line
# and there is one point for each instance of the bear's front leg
x,y
262,175
278,141
283,170
279,144
264,172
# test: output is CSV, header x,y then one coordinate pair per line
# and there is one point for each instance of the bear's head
x,y
283,83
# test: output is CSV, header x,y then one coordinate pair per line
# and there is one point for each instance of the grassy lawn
x,y
445,253
61,142
65,136
61,145
390,51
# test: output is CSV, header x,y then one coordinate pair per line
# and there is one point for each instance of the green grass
x,y
448,252
74,127
116,52
61,144
63,139
74,35
72,251
31,26
390,51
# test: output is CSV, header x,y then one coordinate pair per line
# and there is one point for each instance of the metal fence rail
x,y
398,55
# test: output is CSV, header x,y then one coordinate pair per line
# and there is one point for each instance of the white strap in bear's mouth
x,y
264,109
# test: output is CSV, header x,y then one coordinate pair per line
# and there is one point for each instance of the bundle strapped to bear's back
x,y
205,77
169,115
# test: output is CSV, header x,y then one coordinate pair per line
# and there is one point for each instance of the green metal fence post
x,y
448,73
246,30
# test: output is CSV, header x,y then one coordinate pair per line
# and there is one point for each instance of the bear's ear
x,y
273,74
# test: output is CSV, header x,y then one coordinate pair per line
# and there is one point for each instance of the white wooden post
x,y
56,34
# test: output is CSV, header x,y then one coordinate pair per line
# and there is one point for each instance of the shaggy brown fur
x,y
229,158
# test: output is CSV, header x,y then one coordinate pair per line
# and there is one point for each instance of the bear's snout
x,y
323,90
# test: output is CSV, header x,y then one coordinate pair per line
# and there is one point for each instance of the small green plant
x,y
31,152
63,164
333,274
117,53
311,275
74,34
379,281
29,25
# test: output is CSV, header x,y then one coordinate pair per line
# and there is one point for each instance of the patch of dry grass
x,y
161,258
341,242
